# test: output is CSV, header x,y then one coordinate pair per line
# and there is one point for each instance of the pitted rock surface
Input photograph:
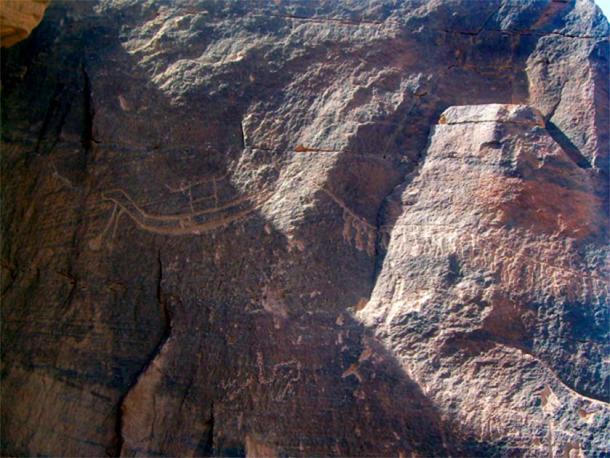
x,y
306,228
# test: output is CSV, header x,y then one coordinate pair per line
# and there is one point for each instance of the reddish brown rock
x,y
489,280
234,228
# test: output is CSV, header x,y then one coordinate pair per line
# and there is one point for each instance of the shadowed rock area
x,y
306,228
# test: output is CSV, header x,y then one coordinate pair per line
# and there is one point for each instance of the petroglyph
x,y
96,243
187,223
210,183
286,375
60,177
519,268
356,229
354,368
550,401
184,187
362,235
282,377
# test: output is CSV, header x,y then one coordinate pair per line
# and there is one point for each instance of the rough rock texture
x,y
306,228
496,290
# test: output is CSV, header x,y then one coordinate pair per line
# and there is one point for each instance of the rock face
x,y
18,18
495,290
359,228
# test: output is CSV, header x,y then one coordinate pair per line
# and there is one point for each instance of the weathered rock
x,y
493,293
306,228
18,18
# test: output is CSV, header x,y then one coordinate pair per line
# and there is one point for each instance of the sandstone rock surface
x,y
18,18
366,228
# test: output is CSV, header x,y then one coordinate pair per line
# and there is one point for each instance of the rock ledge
x,y
494,112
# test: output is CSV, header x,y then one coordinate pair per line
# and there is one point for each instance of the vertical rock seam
x,y
166,320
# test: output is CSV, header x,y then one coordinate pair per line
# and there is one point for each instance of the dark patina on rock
x,y
306,228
